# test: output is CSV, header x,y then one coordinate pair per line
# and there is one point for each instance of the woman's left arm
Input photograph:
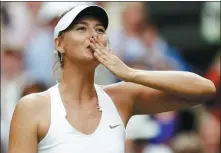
x,y
185,85
161,91
154,91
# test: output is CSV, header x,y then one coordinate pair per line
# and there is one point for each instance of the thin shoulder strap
x,y
108,105
57,106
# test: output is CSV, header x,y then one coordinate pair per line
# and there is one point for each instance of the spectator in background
x,y
187,143
210,125
4,24
34,87
125,41
13,78
139,130
210,22
214,70
167,127
209,130
213,74
18,23
160,53
38,50
157,149
113,9
140,40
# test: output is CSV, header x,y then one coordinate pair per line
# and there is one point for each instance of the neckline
x,y
64,113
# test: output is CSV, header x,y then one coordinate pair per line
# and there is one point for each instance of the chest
x,y
108,137
71,132
86,122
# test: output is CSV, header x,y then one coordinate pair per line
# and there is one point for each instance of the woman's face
x,y
75,42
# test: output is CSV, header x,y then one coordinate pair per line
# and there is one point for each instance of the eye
x,y
100,30
81,29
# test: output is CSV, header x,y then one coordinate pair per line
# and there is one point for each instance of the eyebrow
x,y
85,23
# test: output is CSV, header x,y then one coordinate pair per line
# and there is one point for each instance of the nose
x,y
93,33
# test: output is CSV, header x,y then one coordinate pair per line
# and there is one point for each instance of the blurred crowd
x,y
27,67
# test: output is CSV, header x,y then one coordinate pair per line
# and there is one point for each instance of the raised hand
x,y
107,58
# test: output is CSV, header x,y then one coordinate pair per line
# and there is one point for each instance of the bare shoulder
x,y
34,100
25,122
33,104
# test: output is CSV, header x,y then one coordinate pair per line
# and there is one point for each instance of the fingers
x,y
96,43
96,39
100,59
103,54
100,46
98,54
97,47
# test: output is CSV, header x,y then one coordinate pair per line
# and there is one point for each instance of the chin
x,y
95,61
92,60
89,56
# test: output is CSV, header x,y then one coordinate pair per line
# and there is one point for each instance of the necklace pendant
x,y
98,107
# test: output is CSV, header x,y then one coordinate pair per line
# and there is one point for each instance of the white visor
x,y
69,17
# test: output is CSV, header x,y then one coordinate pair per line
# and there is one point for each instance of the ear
x,y
59,45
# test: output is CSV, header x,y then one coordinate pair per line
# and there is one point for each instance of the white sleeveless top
x,y
109,137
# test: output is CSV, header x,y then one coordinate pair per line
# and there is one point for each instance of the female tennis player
x,y
78,116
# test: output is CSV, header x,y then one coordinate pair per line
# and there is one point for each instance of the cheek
x,y
73,43
103,40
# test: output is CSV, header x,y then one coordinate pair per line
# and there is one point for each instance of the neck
x,y
77,84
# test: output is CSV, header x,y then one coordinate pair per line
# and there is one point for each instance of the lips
x,y
88,46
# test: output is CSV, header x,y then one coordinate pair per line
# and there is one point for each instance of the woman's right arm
x,y
24,126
